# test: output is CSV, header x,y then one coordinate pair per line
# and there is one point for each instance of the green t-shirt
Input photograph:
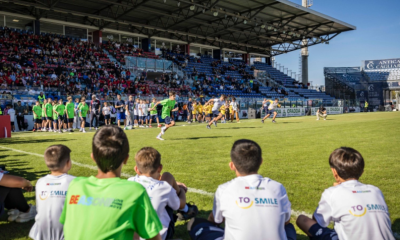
x,y
70,109
155,109
41,98
168,106
43,109
60,109
49,110
55,114
38,110
110,208
83,109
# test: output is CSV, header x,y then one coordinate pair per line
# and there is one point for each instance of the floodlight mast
x,y
304,50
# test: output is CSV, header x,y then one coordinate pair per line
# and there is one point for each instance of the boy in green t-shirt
x,y
55,115
44,115
49,113
69,113
153,113
168,107
60,109
37,114
83,108
105,206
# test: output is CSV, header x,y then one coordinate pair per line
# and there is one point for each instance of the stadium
x,y
88,89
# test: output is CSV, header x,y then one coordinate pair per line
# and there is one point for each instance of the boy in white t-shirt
x,y
11,112
51,191
107,113
145,108
252,206
165,193
358,210
141,113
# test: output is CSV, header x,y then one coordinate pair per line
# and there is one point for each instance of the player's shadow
x,y
11,141
197,138
289,122
396,228
234,128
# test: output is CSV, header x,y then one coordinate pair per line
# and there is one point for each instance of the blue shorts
x,y
121,116
136,117
206,231
43,118
153,117
168,120
37,120
215,113
322,233
270,111
106,117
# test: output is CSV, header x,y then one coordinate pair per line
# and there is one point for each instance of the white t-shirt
x,y
161,195
50,197
11,112
217,104
273,105
136,109
141,110
145,109
107,110
359,211
234,106
254,208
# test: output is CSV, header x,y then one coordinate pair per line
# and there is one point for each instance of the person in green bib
x,y
49,113
83,109
55,115
153,113
105,206
60,109
41,98
44,115
69,113
168,107
37,114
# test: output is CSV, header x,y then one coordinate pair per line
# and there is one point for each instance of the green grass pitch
x,y
295,153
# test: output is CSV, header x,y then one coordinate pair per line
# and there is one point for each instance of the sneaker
x,y
273,121
96,129
147,126
26,217
215,123
80,130
160,138
238,122
159,126
163,130
64,130
55,130
208,127
13,215
71,130
33,130
317,119
150,126
59,131
191,213
262,121
83,131
324,119
90,129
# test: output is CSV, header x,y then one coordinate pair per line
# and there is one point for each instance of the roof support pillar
x,y
98,37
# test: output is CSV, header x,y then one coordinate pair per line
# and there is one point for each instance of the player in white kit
x,y
271,109
235,110
358,210
165,193
51,191
252,206
216,114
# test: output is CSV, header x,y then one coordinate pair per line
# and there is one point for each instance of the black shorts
x,y
168,120
60,117
323,233
215,114
84,118
136,117
37,120
49,118
43,118
12,123
270,111
70,120
208,115
106,117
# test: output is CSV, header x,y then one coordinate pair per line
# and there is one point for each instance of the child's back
x,y
358,210
50,196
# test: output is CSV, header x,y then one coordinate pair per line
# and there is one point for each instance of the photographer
x,y
321,112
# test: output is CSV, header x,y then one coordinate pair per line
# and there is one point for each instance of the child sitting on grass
x,y
50,194
358,210
105,206
165,193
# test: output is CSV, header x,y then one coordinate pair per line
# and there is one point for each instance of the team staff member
x,y
120,107
94,109
20,112
41,98
271,109
321,112
366,106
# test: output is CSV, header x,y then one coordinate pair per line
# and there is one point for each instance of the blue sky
x,y
377,36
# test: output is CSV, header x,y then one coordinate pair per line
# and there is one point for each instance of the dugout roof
x,y
269,27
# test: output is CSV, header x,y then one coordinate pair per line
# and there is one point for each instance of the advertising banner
x,y
288,112
382,64
243,114
329,110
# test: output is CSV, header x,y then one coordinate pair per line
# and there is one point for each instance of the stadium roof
x,y
268,27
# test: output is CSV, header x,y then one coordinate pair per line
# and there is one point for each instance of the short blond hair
x,y
148,160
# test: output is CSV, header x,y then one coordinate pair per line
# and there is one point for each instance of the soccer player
x,y
153,113
199,112
192,111
49,113
141,113
222,110
120,107
83,110
55,115
321,112
271,109
69,113
105,206
251,206
168,107
165,193
51,191
94,109
216,115
145,109
234,110
60,109
358,210
44,115
107,114
37,114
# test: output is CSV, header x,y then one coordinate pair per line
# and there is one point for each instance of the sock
x,y
159,135
185,209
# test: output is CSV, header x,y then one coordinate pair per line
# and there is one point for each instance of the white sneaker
x,y
96,129
55,130
26,217
59,131
83,131
13,215
163,130
317,119
324,119
64,130
147,126
160,138
80,130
